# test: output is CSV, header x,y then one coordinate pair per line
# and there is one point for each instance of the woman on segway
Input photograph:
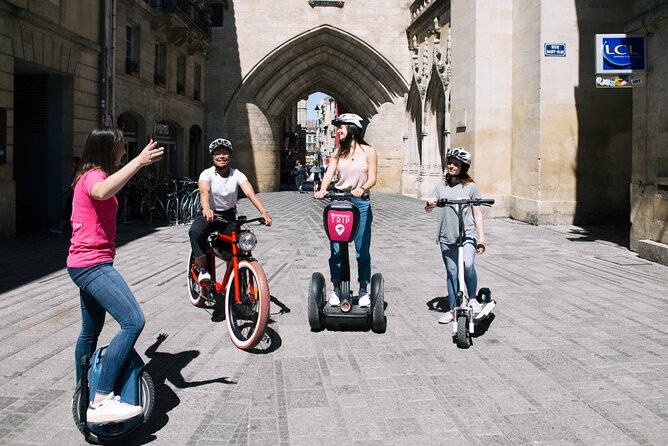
x,y
357,164
458,185
90,264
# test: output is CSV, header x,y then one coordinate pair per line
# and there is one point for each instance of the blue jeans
x,y
450,255
103,290
362,246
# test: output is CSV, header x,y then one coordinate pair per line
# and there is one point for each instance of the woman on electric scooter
x,y
218,195
458,185
357,165
90,264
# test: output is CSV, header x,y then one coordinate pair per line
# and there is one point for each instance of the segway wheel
x,y
379,322
463,336
316,298
148,402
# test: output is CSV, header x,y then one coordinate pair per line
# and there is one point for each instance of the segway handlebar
x,y
336,195
473,201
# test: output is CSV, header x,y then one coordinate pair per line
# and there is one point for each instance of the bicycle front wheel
x,y
247,318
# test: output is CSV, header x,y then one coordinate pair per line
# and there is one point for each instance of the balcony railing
x,y
187,11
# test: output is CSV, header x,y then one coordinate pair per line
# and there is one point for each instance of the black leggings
x,y
200,230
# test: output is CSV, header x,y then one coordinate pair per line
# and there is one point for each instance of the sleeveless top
x,y
353,173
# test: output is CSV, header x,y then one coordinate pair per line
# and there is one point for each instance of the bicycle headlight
x,y
247,241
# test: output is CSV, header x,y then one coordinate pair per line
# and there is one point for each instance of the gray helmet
x,y
218,144
460,154
349,118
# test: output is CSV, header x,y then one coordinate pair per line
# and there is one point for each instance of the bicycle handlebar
x,y
474,201
241,220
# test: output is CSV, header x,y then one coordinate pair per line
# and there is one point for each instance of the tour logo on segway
x,y
341,220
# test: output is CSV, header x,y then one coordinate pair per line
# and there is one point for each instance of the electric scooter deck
x,y
356,313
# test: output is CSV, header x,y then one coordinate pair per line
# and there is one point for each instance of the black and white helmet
x,y
218,144
349,118
460,154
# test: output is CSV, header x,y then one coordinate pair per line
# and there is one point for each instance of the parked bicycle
x,y
244,289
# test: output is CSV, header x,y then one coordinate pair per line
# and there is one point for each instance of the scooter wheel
x,y
463,335
316,297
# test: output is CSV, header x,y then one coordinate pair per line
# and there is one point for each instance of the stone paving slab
x,y
576,354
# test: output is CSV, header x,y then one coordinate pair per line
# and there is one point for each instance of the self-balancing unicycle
x,y
464,317
134,386
341,220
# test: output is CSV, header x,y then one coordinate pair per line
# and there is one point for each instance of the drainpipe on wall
x,y
101,62
112,61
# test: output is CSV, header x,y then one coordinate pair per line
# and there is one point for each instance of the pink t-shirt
x,y
93,224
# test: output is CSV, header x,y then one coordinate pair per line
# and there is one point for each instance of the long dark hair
x,y
100,151
345,146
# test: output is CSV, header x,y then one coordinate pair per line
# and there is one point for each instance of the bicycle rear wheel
x,y
247,319
171,211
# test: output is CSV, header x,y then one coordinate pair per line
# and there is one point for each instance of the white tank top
x,y
353,171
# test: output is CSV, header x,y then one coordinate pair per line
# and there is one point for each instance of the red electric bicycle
x,y
243,289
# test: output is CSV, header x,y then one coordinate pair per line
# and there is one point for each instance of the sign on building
x,y
620,54
555,50
620,60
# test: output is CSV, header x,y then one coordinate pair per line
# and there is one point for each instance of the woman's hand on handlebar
x,y
357,192
208,215
429,206
267,218
319,195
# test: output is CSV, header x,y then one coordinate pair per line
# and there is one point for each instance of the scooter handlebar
x,y
473,201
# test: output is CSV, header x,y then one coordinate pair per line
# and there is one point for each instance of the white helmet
x,y
460,154
349,118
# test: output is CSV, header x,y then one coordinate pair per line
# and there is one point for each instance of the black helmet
x,y
219,143
350,119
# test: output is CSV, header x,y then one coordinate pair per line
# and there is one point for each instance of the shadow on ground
x,y
33,255
165,367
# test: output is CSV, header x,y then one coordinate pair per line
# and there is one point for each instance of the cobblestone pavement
x,y
577,352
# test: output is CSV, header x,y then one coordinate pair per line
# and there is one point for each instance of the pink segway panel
x,y
340,225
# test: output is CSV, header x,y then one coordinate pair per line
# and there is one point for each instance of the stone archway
x,y
323,59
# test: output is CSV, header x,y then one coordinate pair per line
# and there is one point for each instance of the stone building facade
x,y
158,72
49,91
67,66
649,177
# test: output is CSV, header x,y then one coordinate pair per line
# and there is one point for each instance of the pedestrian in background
x,y
356,163
90,265
458,185
316,171
298,172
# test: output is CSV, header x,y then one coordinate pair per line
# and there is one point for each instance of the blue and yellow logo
x,y
623,53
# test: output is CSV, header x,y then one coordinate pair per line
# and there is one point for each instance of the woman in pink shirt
x,y
90,264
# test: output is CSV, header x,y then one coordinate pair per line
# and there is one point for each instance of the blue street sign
x,y
555,49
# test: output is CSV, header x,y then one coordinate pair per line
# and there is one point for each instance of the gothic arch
x,y
323,59
435,117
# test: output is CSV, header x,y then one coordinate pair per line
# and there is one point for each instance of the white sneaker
x,y
446,318
112,410
204,278
335,298
475,306
364,300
